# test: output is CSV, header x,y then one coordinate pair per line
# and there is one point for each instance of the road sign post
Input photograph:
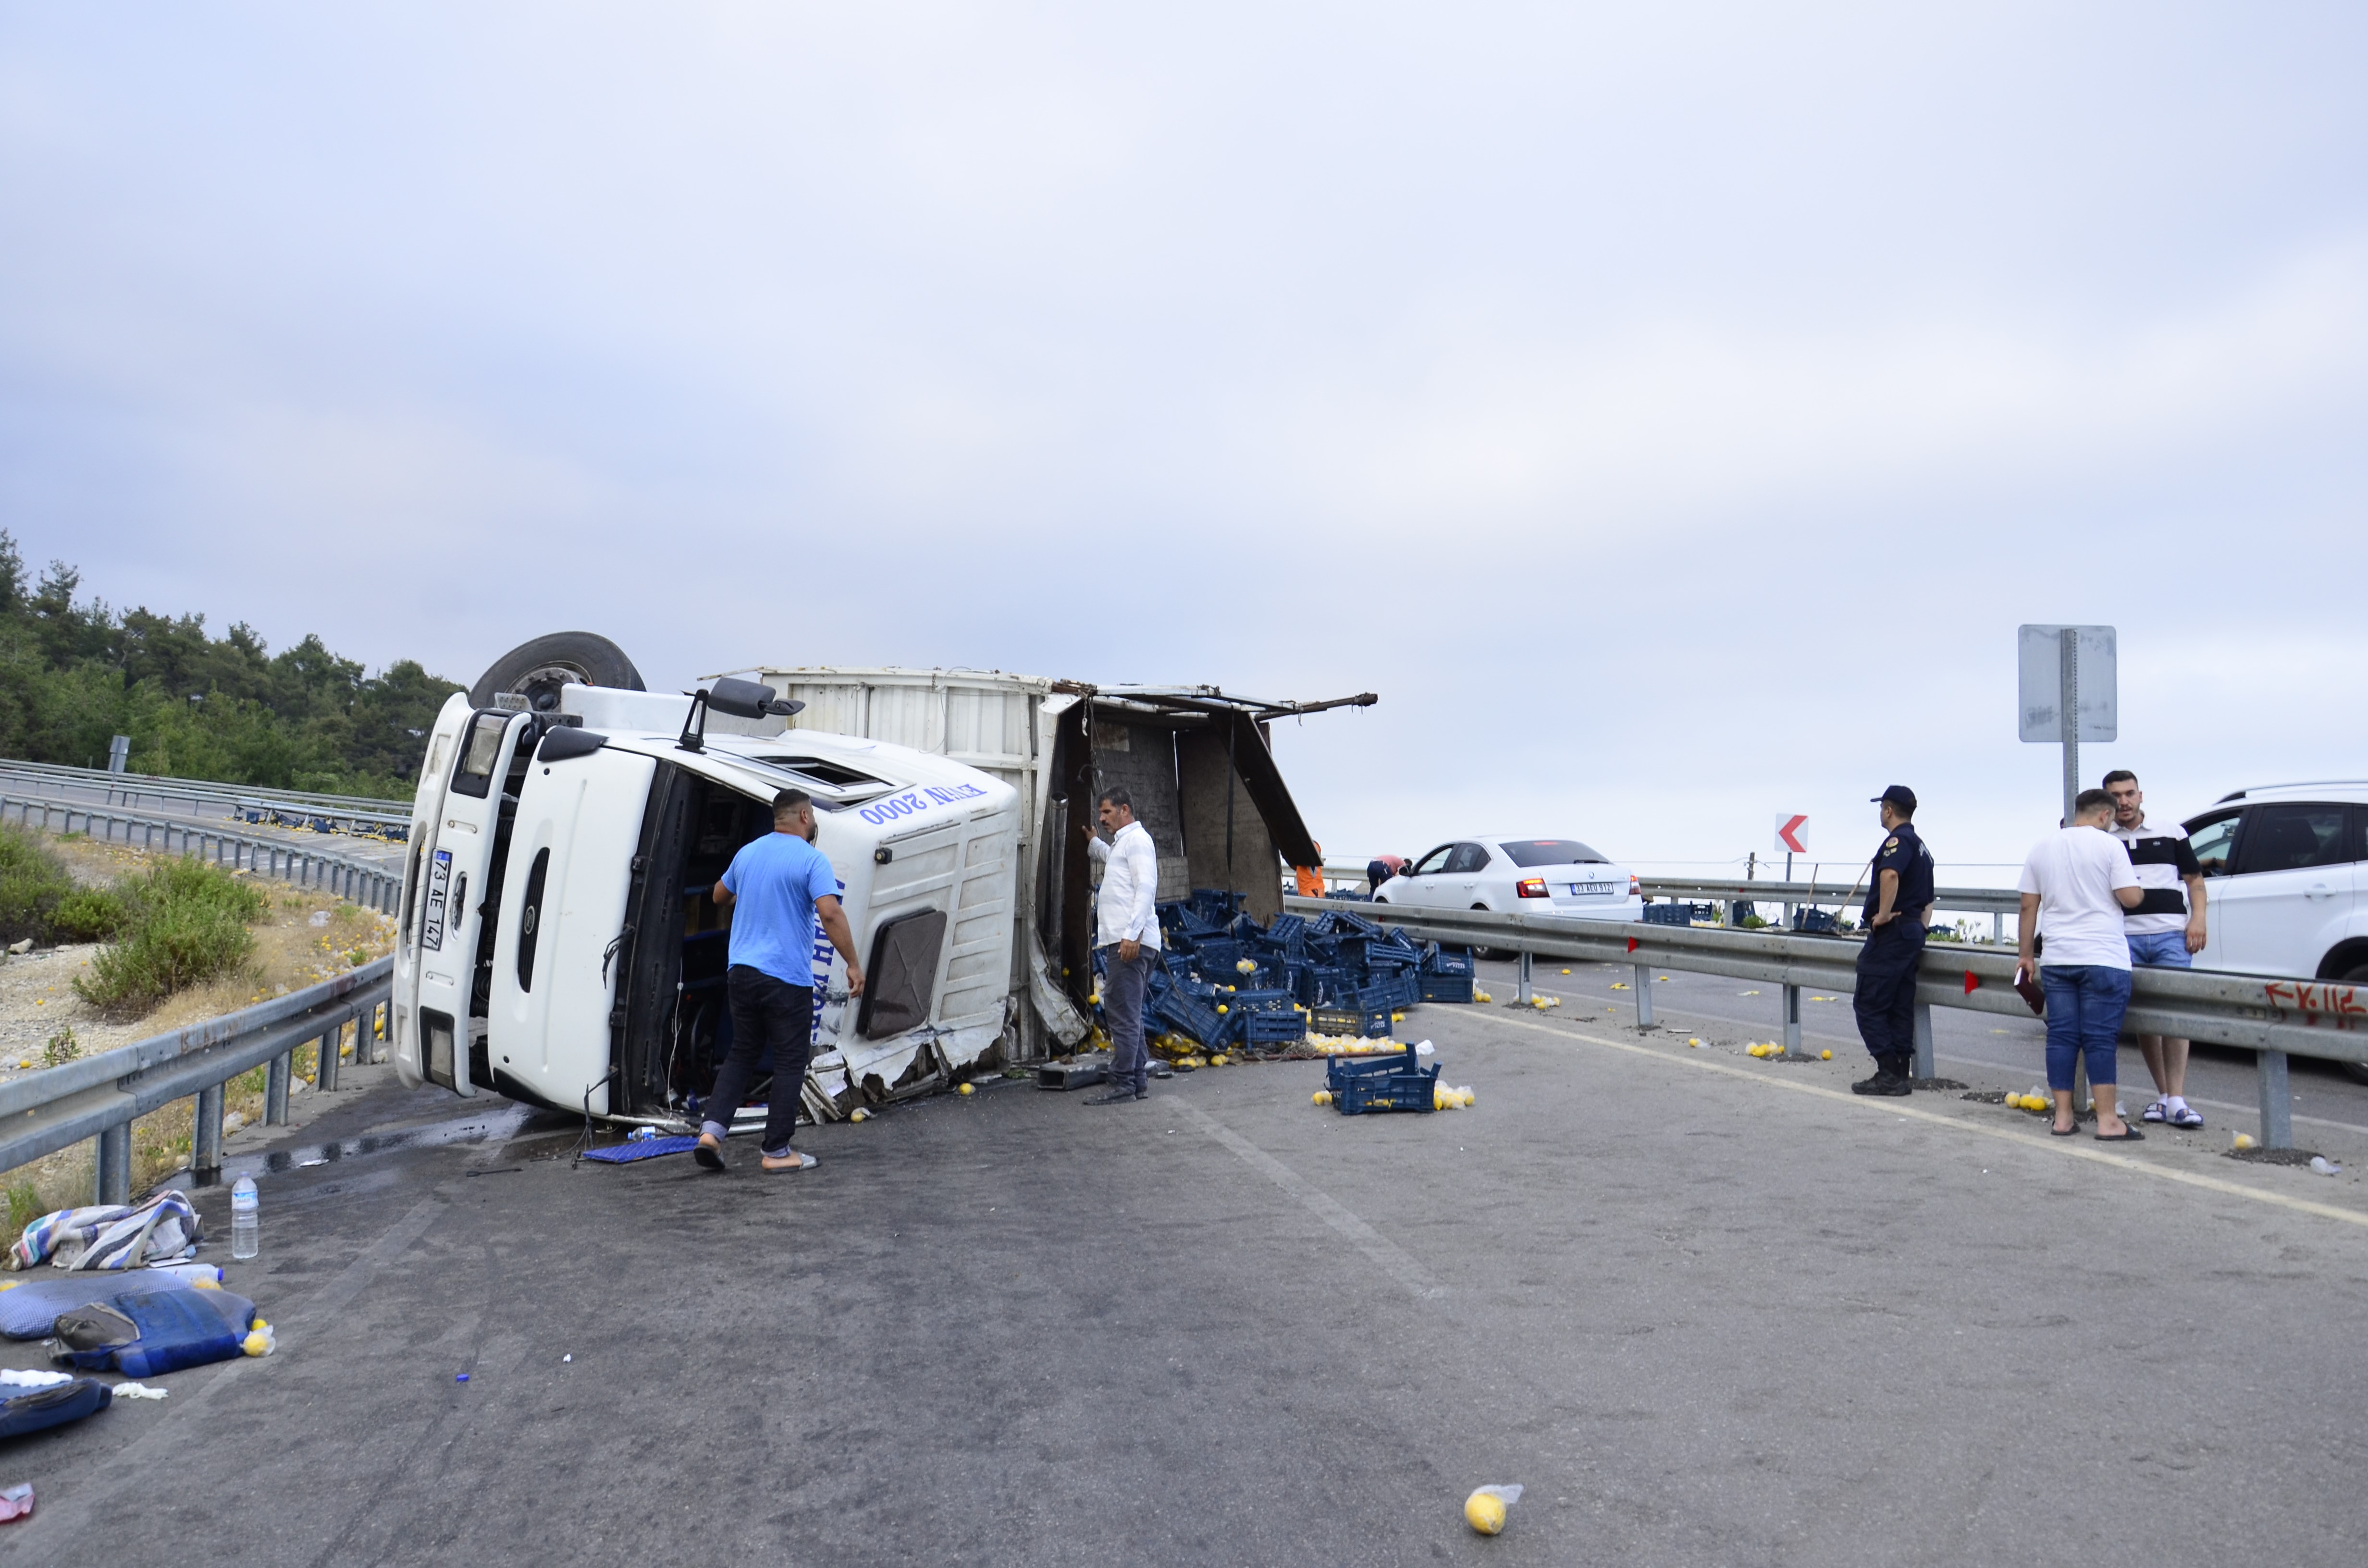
x,y
1792,838
2066,678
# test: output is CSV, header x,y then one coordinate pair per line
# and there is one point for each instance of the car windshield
x,y
1526,852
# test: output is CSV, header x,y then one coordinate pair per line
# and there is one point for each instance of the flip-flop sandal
x,y
805,1162
2156,1112
710,1155
2126,1135
2055,1132
2187,1116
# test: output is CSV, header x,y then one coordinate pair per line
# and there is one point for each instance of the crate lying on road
x,y
1396,1082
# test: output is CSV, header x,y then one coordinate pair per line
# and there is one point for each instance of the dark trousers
x,y
766,1015
1122,987
1886,998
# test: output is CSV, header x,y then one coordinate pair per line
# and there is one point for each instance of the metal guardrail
x,y
98,1096
1968,901
287,807
373,887
2273,1016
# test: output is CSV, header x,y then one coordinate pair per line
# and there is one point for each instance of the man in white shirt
x,y
2075,888
2167,930
1126,933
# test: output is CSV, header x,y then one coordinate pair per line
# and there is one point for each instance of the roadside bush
x,y
32,884
90,914
185,924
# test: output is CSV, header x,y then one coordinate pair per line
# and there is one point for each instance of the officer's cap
x,y
1899,795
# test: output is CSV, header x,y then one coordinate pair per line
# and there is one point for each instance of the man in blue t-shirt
x,y
776,889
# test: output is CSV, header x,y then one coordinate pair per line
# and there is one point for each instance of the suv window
x,y
1527,852
1433,863
2212,838
1467,858
2295,836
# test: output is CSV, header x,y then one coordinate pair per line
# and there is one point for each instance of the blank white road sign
x,y
2041,671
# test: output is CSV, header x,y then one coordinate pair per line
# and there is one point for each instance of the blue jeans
x,y
2161,950
2085,1004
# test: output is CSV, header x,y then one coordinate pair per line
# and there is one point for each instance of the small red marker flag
x,y
1631,943
1972,980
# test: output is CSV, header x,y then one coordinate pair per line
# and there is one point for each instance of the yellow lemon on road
x,y
1825,1056
858,1114
1323,1096
1484,1512
964,1090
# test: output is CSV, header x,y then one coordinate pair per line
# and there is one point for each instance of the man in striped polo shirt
x,y
2165,930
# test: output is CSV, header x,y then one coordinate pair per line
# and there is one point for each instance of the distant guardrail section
x,y
373,887
354,814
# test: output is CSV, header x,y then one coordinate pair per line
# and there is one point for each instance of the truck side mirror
x,y
747,699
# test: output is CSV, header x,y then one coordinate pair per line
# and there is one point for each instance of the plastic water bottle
x,y
245,1222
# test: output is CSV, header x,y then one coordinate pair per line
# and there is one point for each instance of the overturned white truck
x,y
558,944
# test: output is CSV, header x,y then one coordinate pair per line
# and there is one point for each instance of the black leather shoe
x,y
1116,1097
1890,1079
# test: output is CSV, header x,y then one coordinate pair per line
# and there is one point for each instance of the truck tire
x,y
537,670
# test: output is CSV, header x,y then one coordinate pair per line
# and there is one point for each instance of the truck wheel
x,y
2357,976
537,670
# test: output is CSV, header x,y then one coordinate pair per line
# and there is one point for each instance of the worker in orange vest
x,y
1310,877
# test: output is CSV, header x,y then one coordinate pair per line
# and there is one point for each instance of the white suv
x,y
2286,871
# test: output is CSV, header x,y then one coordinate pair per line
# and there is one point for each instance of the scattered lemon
x,y
1694,1044
964,1090
2243,1140
858,1114
1484,1512
1565,972
1222,1009
1825,1056
1323,1096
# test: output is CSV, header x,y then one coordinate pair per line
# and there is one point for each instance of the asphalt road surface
x,y
1705,1310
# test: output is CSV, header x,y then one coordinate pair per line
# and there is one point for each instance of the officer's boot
x,y
1890,1078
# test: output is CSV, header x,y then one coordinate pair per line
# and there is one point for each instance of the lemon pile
x,y
1765,1050
1353,1045
1479,996
1244,966
2030,1102
1542,1002
1444,1099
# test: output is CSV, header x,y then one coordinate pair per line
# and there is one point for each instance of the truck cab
x,y
558,943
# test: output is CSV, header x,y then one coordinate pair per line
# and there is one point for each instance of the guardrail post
x,y
1923,1068
324,1066
1793,1021
275,1088
1644,997
2277,1101
205,1139
1522,994
115,1164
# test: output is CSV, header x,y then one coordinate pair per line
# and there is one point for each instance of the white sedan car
x,y
1531,876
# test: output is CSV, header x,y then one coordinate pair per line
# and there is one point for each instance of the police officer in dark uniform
x,y
1898,901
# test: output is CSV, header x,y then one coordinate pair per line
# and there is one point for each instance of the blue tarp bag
x,y
37,1410
146,1335
30,1310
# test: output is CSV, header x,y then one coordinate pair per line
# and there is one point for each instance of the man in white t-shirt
x,y
2167,930
2077,886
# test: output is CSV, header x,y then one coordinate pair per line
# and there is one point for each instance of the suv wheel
x,y
2358,975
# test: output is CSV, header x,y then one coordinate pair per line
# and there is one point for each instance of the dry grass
x,y
292,951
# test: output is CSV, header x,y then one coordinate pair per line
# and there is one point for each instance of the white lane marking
x,y
1395,1260
2022,1139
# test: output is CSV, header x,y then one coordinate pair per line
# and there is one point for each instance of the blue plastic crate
x,y
1272,1028
1193,1018
1445,988
1397,1081
1668,915
1262,1000
1373,1023
1444,959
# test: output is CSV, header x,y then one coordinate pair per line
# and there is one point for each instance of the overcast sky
x,y
1671,411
